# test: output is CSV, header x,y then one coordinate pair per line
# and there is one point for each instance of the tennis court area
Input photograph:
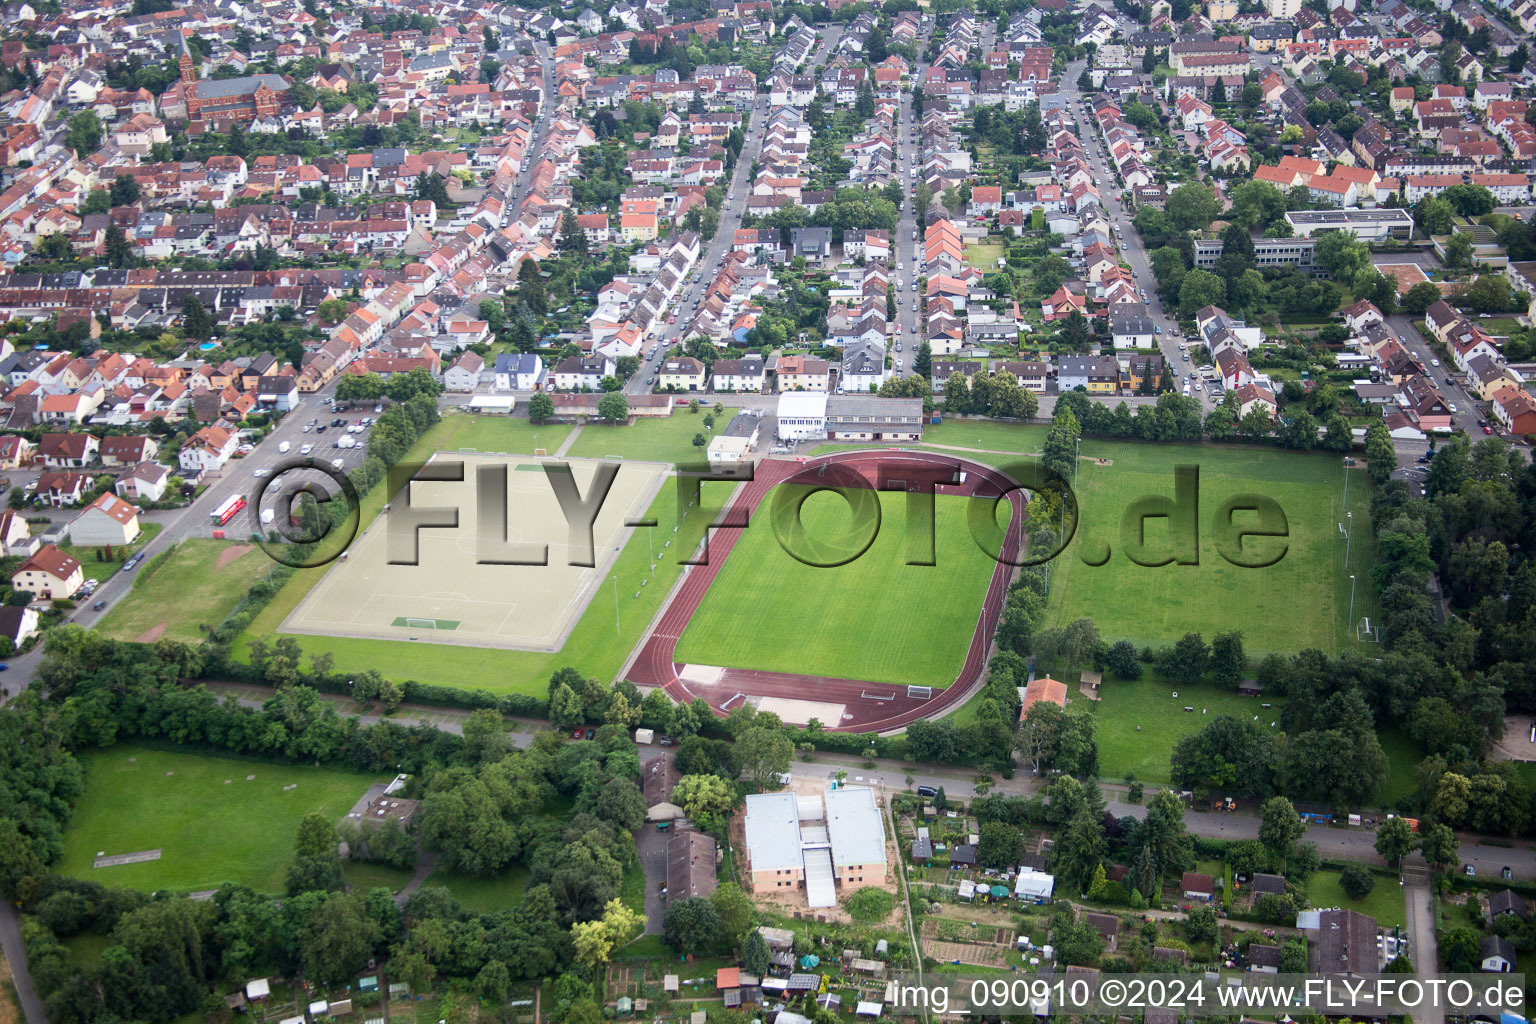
x,y
449,596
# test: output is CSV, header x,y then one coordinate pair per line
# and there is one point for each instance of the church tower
x,y
189,80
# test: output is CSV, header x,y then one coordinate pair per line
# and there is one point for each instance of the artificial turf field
x,y
210,832
874,619
595,646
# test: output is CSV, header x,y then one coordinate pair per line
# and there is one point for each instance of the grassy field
x,y
594,646
485,895
874,619
1384,902
984,256
495,434
1299,602
1403,757
668,440
211,832
1149,704
186,590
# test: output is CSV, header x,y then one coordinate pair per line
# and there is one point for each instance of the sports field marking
x,y
513,606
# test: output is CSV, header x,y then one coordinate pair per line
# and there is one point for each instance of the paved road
x,y
1119,216
16,957
738,191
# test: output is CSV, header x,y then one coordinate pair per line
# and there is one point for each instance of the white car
x,y
306,449
1434,362
261,474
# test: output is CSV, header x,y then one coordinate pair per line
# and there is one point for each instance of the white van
x,y
267,515
284,447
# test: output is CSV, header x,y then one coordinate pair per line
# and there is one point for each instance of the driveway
x,y
652,847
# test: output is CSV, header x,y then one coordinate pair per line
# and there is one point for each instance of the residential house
x,y
107,520
48,575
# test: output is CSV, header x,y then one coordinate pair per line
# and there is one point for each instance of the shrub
x,y
870,905
1356,882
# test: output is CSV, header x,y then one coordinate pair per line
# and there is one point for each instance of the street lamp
x,y
1351,602
616,628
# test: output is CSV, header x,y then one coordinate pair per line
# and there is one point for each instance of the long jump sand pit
x,y
449,597
800,712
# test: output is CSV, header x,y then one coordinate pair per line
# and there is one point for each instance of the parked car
x,y
98,606
927,791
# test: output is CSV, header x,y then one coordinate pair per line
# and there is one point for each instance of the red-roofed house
x,y
49,574
107,520
1043,689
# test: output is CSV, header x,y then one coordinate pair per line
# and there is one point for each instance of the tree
x,y
734,909
1356,881
84,133
1434,215
1081,850
332,311
1228,662
1198,289
572,237
691,926
1380,455
1281,827
1440,846
922,362
1000,845
431,186
125,190
1458,251
541,407
1394,840
703,796
756,957
316,836
1201,925
195,320
485,735
1186,661
1192,207
613,407
764,754
119,250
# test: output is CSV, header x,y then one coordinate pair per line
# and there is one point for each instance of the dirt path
x,y
231,553
153,633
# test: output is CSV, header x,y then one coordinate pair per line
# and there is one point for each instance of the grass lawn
x,y
86,554
651,440
1499,324
374,876
1301,601
984,256
141,798
1403,757
185,590
874,618
1002,437
594,646
1384,902
1150,704
493,434
485,895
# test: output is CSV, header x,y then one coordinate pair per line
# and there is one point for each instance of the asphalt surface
x,y
712,254
1120,216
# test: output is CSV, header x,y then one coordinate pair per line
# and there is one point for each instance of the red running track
x,y
868,707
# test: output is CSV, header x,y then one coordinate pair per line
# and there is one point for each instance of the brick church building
x,y
232,99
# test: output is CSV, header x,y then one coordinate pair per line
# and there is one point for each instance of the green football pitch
x,y
875,618
1301,601
209,821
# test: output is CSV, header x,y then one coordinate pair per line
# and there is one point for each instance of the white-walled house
x,y
107,520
